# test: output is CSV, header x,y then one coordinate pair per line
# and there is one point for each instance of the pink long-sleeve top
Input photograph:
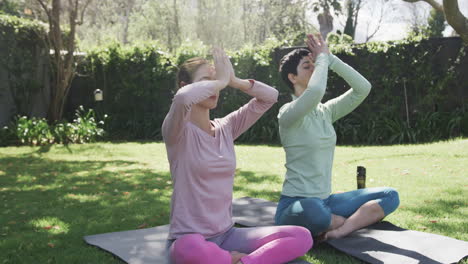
x,y
202,166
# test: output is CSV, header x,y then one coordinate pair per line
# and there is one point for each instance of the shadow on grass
x,y
438,213
49,205
44,149
250,184
328,254
141,142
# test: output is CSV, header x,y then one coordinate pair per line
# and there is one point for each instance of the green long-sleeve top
x,y
306,129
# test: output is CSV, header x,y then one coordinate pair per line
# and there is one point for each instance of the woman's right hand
x,y
222,65
317,45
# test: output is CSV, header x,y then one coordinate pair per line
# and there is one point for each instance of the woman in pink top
x,y
202,163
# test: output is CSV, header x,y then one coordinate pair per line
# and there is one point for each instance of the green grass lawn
x,y
53,196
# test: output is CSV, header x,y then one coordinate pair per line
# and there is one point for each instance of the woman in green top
x,y
309,140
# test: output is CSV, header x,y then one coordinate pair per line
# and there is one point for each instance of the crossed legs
x,y
339,214
274,245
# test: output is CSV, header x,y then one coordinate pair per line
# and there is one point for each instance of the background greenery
x,y
172,22
67,192
37,131
419,86
138,85
23,49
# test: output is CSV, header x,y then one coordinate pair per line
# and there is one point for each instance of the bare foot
x,y
333,234
236,256
337,221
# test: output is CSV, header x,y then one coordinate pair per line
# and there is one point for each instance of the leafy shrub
x,y
86,127
83,129
36,131
33,131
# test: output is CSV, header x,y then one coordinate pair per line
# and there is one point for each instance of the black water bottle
x,y
361,177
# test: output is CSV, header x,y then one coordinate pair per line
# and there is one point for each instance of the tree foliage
x,y
10,7
352,12
436,23
226,23
452,14
139,81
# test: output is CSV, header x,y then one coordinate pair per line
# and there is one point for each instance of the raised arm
x,y
262,92
313,94
179,114
243,118
347,102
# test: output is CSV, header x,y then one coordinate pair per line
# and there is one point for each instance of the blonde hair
x,y
188,68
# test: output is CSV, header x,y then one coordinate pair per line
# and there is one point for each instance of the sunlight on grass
x,y
50,225
51,199
83,197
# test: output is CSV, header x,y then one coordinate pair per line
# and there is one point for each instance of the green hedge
x,y
433,72
135,83
23,49
138,86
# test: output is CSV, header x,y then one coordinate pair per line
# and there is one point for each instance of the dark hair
x,y
288,64
187,69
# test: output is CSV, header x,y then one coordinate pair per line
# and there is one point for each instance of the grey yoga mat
x,y
386,243
135,246
141,246
380,243
249,211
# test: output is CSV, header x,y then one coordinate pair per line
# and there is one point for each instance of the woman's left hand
x,y
238,83
317,45
222,65
233,80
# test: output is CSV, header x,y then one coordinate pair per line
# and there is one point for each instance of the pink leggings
x,y
264,245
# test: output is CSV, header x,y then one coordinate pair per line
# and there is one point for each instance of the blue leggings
x,y
315,214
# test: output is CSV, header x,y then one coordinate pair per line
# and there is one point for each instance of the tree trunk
x,y
244,19
126,21
452,14
456,19
201,29
349,28
433,3
326,23
55,35
176,23
357,8
63,65
169,38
